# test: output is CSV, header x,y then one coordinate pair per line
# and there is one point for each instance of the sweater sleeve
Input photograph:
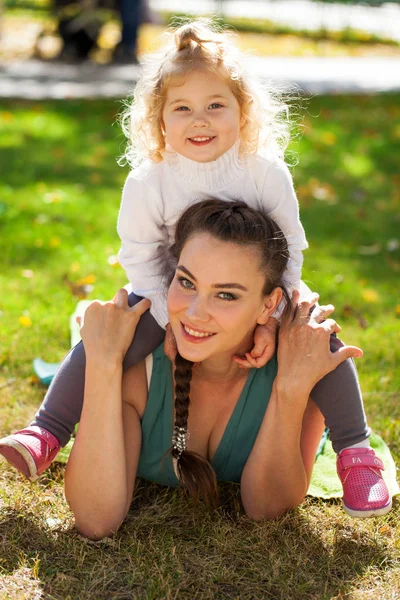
x,y
141,229
279,200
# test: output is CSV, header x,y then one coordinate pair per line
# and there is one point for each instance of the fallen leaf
x,y
28,273
392,245
113,260
81,288
370,295
25,321
55,242
6,116
369,250
348,311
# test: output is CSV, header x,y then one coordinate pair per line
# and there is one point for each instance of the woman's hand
x,y
108,327
304,355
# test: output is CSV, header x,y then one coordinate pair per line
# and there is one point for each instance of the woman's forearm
x,y
96,485
274,478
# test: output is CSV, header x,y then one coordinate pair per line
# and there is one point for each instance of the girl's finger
x,y
252,361
242,362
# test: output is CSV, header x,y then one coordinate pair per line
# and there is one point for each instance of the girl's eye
x,y
227,296
182,108
186,284
216,105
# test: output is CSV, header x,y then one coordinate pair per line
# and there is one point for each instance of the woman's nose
x,y
197,310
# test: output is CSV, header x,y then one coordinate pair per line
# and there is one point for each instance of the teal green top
x,y
155,462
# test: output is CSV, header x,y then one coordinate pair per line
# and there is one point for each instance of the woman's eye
x,y
186,284
227,296
216,105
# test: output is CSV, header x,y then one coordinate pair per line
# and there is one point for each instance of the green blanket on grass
x,y
324,482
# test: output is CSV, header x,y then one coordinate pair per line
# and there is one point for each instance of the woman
x,y
259,428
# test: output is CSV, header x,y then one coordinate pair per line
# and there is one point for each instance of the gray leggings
x,y
337,395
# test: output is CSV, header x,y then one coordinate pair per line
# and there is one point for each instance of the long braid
x,y
183,377
193,471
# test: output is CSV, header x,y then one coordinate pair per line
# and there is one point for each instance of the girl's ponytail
x,y
185,35
193,471
196,34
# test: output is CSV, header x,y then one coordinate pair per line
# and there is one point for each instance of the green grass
x,y
59,198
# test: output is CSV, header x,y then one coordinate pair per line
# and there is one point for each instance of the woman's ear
x,y
270,304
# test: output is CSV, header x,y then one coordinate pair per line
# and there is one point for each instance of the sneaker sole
x,y
20,458
365,514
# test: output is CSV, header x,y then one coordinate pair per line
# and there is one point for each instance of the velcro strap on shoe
x,y
361,460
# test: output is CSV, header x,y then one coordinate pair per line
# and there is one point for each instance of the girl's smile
x,y
201,117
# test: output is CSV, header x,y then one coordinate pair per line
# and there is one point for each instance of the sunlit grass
x,y
59,197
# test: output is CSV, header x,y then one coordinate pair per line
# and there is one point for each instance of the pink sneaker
x,y
365,493
30,450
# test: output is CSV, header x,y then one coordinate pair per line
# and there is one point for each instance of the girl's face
x,y
201,118
215,300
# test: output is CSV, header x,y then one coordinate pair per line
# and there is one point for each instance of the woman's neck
x,y
222,367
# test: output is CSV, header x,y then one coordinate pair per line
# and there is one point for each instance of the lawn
x,y
59,196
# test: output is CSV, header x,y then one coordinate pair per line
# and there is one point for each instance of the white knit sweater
x,y
155,195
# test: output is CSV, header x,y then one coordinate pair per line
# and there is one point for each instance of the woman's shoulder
x,y
134,387
136,380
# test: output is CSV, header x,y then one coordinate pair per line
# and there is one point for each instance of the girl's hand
x,y
264,346
304,355
108,327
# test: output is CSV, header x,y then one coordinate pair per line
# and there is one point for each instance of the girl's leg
x,y
33,449
62,406
338,396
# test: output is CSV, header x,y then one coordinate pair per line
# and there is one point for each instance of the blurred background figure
x,y
79,25
131,16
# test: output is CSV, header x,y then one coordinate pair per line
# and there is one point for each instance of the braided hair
x,y
237,223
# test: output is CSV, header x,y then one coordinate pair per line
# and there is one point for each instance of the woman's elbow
x,y
269,510
96,530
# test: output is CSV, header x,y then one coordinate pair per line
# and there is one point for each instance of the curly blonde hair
x,y
201,45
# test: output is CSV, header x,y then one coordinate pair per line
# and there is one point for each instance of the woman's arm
x,y
278,470
101,471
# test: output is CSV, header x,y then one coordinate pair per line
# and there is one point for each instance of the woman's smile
x,y
195,336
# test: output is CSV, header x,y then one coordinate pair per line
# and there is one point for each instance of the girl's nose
x,y
200,119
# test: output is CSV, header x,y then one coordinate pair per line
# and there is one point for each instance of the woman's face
x,y
215,300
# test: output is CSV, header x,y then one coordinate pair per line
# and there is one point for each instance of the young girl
x,y
200,128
